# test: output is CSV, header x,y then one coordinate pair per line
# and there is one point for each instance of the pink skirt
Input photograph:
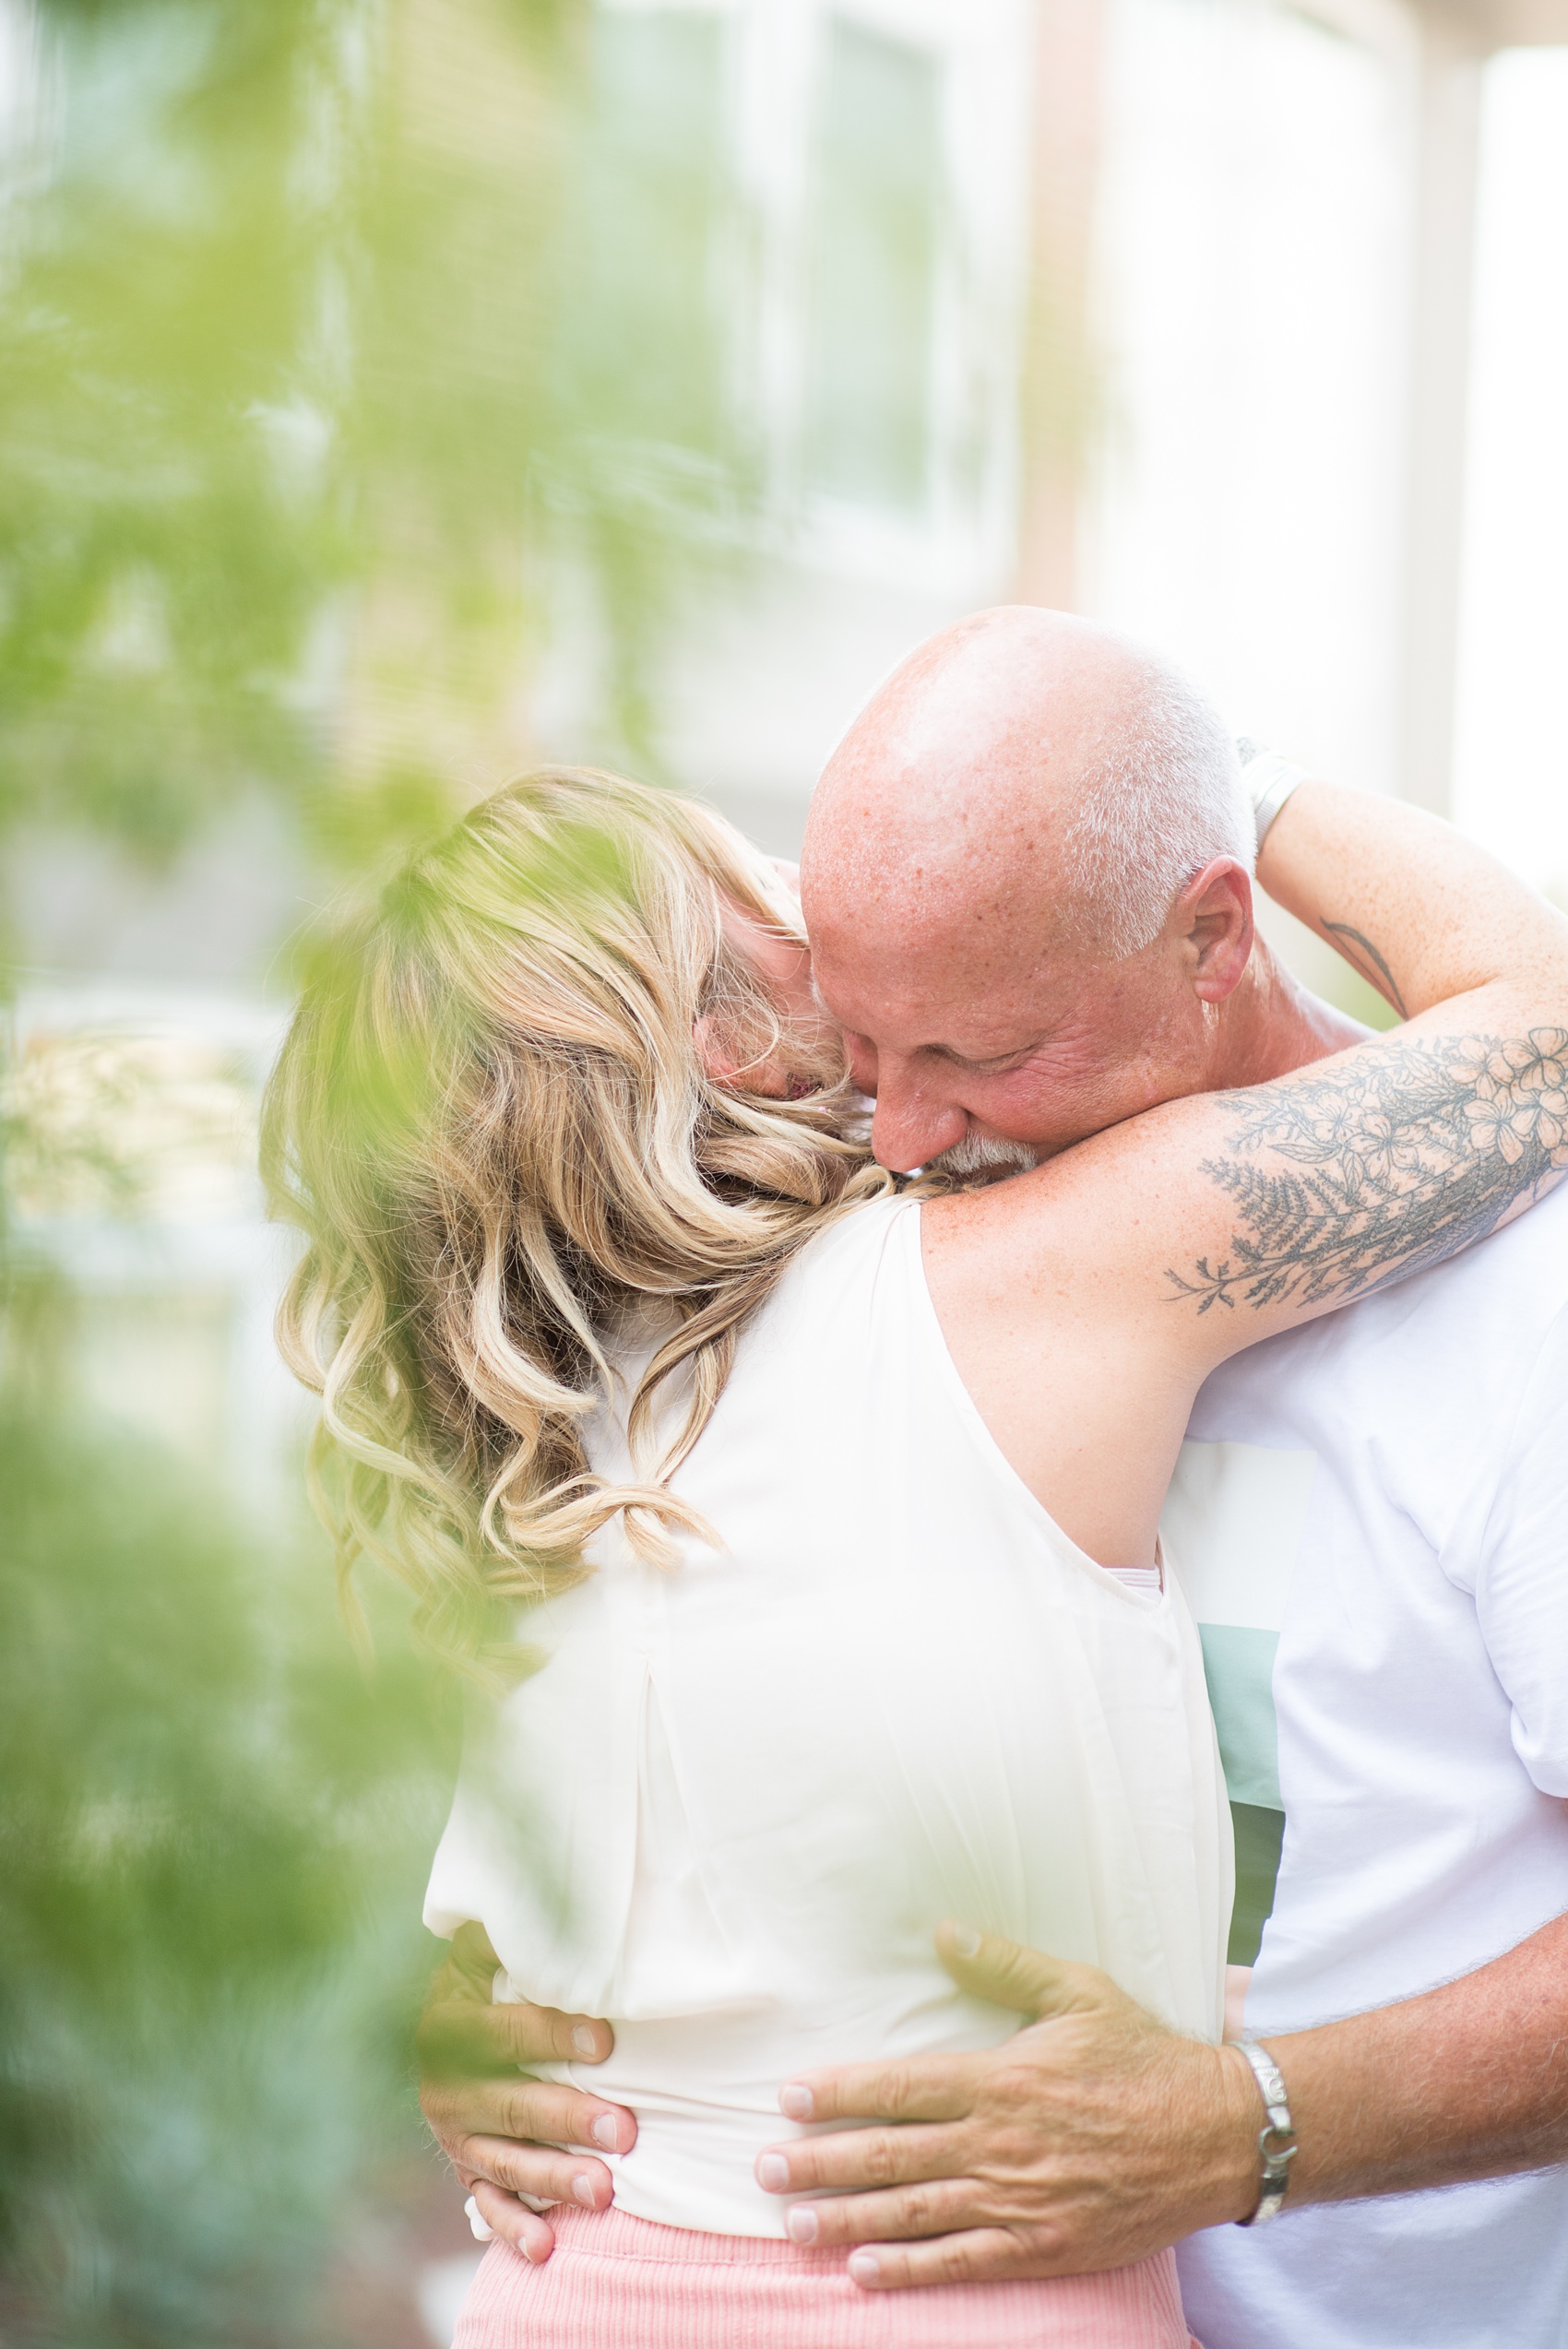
x,y
621,2283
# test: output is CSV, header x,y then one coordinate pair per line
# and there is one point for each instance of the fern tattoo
x,y
1404,1158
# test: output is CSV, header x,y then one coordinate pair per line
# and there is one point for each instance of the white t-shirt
x,y
1378,1505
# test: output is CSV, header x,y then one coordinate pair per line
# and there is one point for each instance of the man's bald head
x,y
1026,766
1025,882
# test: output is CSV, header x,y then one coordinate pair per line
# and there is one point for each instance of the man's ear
x,y
1214,918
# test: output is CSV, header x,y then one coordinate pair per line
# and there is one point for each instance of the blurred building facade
x,y
1161,310
1229,251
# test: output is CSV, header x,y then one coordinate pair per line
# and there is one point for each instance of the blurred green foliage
x,y
333,333
213,1842
327,328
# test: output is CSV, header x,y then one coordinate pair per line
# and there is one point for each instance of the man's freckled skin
x,y
959,930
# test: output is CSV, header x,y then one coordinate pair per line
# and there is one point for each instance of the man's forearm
x,y
1470,2081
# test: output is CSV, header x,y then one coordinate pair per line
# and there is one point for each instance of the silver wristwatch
x,y
1277,2138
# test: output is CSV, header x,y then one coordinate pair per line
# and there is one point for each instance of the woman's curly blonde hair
x,y
491,1119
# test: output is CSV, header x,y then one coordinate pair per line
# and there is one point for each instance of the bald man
x,y
1028,884
998,883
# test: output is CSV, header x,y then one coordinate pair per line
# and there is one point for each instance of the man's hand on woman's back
x,y
501,2130
1092,2138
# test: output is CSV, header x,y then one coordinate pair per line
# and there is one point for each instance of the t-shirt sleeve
x,y
1522,1571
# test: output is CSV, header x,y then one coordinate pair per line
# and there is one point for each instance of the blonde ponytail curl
x,y
492,1124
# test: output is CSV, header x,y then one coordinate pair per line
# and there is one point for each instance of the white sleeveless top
x,y
738,1797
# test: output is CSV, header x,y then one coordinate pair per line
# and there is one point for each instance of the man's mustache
x,y
979,1154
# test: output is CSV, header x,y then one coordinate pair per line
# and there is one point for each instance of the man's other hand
x,y
1088,2140
501,2129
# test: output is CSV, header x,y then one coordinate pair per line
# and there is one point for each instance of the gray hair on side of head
x,y
1163,798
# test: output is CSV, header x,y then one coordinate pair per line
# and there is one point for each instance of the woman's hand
x,y
501,2130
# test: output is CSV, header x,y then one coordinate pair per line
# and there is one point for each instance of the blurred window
x,y
1251,293
1512,751
874,259
656,195
821,212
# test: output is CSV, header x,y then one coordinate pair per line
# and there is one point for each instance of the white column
x,y
1439,377
1057,390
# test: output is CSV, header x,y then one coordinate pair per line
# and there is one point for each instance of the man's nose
x,y
907,1129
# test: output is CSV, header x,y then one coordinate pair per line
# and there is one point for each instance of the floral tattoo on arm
x,y
1396,1161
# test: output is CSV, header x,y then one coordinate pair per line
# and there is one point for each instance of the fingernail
x,y
966,1940
801,2224
795,2102
773,2172
582,2190
537,2253
864,2267
604,2131
583,2040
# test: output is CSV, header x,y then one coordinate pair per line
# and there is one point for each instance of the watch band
x,y
1269,781
1277,2138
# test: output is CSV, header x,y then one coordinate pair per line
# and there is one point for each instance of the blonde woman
x,y
631,1370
